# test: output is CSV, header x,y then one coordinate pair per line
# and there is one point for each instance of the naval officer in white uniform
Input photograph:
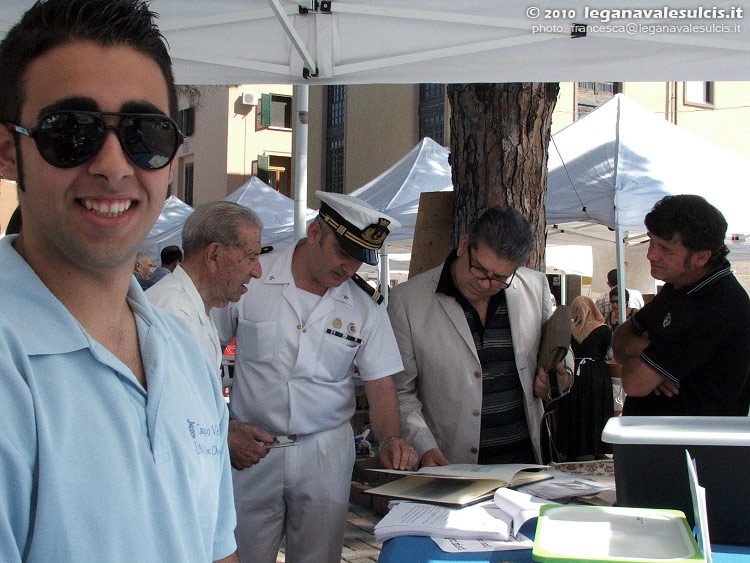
x,y
300,331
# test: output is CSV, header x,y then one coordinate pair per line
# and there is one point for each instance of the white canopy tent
x,y
611,166
275,210
606,171
167,230
396,192
411,41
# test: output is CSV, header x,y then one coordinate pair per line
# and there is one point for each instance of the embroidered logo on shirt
x,y
206,438
667,320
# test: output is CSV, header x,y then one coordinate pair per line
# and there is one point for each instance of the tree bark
x,y
499,139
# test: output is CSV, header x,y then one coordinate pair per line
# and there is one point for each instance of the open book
x,y
458,484
498,519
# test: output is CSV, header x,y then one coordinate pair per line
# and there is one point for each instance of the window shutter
x,y
264,166
265,109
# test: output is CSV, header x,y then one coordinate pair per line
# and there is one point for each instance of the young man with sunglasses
x,y
468,332
114,442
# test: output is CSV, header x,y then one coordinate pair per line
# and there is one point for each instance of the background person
x,y
114,443
171,256
468,332
143,270
635,301
582,413
612,319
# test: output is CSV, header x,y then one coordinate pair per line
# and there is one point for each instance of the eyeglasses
x,y
481,274
68,138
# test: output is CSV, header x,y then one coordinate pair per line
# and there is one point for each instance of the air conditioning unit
x,y
249,99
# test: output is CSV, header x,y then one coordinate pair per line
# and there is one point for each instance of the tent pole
x,y
621,272
300,162
385,274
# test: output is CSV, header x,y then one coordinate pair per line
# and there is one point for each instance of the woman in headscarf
x,y
582,413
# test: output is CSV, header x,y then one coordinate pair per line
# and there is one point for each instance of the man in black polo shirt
x,y
688,351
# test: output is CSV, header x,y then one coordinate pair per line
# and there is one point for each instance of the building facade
x,y
355,132
375,125
233,133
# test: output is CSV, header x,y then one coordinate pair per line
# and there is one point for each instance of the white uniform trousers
x,y
301,491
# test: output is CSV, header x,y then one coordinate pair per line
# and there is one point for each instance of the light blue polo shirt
x,y
93,467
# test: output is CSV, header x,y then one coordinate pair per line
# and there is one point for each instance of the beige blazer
x,y
440,388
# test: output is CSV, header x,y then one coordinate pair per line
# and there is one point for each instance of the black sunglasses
x,y
68,138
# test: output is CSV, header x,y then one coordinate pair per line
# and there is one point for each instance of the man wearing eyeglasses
x,y
468,332
115,428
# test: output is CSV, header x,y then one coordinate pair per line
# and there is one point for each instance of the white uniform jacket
x,y
440,389
293,377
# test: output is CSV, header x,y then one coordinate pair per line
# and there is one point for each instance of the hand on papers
x,y
398,454
246,444
433,458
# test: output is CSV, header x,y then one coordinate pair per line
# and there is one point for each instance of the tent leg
x,y
621,273
385,274
300,162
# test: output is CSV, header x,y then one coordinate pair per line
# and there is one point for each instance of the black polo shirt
x,y
700,338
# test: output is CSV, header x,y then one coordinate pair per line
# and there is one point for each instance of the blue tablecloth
x,y
412,549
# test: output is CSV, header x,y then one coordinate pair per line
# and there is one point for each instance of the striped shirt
x,y
504,434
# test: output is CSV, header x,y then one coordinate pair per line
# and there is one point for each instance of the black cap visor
x,y
358,252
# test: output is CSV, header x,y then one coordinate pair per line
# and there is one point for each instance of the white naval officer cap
x,y
360,228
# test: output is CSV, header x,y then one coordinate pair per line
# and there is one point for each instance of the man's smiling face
x,y
96,215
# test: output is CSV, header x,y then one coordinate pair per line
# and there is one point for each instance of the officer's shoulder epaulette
x,y
374,294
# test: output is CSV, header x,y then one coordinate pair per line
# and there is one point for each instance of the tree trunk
x,y
499,139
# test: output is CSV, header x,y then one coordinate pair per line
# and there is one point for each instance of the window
x,y
335,128
432,112
275,112
186,121
590,95
188,173
335,166
274,171
699,94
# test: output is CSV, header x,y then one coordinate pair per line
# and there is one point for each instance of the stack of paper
x,y
478,521
498,519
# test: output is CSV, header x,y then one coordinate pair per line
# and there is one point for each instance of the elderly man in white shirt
x,y
221,242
